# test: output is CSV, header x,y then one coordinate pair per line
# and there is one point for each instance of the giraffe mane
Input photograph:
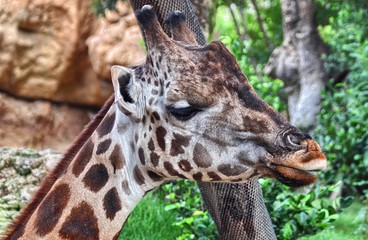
x,y
18,225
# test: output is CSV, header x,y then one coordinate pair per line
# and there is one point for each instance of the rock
x,y
118,40
45,54
40,124
17,188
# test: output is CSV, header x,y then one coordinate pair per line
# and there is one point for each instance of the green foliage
x,y
257,46
301,214
343,120
343,228
362,218
342,133
185,200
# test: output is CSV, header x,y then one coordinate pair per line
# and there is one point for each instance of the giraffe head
x,y
198,117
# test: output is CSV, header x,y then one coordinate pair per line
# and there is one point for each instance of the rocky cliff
x,y
55,55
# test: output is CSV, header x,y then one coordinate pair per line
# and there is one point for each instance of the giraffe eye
x,y
183,114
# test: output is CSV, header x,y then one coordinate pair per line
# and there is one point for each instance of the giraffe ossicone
x,y
186,112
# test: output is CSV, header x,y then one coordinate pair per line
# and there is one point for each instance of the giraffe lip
x,y
311,171
294,177
314,165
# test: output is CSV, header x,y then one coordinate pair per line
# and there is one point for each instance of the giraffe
x,y
186,112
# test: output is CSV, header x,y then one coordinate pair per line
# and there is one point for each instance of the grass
x,y
150,221
344,227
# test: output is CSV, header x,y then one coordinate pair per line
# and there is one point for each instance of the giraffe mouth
x,y
299,168
313,165
294,177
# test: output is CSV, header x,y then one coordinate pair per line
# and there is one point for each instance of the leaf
x,y
316,203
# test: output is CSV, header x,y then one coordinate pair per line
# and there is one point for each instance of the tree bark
x,y
298,63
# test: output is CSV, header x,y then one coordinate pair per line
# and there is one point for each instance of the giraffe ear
x,y
127,94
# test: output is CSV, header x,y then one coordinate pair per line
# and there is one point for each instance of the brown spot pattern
x,y
185,165
151,145
116,237
138,175
198,176
170,169
83,157
154,158
106,125
51,209
214,176
201,156
254,125
136,137
160,134
111,203
156,116
19,231
236,180
80,224
178,144
117,158
125,187
244,159
96,177
141,156
154,176
232,170
103,146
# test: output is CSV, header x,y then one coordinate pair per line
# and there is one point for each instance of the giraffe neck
x,y
98,191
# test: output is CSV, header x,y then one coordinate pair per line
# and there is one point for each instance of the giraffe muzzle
x,y
309,158
301,162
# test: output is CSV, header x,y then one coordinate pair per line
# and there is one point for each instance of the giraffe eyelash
x,y
183,114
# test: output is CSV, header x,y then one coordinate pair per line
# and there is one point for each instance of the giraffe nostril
x,y
293,139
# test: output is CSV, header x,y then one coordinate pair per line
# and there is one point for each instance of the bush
x,y
185,201
301,214
342,128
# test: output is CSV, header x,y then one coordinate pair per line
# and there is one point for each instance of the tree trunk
x,y
298,63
